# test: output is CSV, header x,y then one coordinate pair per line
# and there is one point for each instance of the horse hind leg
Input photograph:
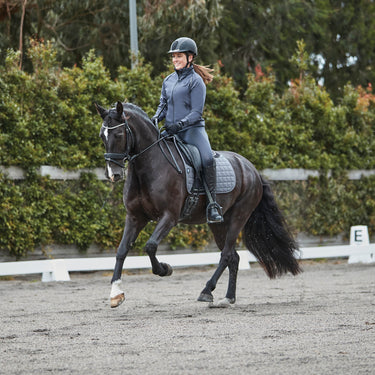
x,y
233,262
206,294
220,234
230,260
226,235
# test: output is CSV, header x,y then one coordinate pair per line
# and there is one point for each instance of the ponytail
x,y
204,72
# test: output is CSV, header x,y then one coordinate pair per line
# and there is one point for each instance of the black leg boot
x,y
214,214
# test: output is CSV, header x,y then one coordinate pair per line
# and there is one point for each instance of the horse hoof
x,y
168,270
206,297
118,300
222,304
225,302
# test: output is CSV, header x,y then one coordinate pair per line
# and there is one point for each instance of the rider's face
x,y
179,60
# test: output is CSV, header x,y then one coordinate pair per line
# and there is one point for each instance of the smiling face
x,y
179,60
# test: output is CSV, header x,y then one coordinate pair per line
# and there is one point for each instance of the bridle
x,y
113,157
120,158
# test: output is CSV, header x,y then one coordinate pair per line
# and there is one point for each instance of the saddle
x,y
225,177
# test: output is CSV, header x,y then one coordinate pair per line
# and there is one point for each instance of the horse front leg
x,y
132,228
162,229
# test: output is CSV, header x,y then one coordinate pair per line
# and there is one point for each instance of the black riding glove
x,y
174,128
154,120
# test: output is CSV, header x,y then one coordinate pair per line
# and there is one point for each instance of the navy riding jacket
x,y
182,99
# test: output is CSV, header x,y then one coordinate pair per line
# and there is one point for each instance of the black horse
x,y
156,190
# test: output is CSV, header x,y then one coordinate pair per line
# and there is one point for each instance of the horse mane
x,y
138,110
134,109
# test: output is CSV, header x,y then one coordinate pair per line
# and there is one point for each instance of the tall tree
x,y
349,49
163,21
339,35
75,27
265,32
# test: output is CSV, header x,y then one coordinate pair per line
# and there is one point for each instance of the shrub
x,y
47,117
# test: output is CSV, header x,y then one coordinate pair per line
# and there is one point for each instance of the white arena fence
x,y
359,250
286,174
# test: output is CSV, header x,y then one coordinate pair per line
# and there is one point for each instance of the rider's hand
x,y
174,128
155,120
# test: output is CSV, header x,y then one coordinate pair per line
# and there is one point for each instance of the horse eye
x,y
119,135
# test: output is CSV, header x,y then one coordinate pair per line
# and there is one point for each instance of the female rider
x,y
182,101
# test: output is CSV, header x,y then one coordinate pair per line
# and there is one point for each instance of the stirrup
x,y
219,217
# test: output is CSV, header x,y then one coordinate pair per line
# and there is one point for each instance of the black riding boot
x,y
214,214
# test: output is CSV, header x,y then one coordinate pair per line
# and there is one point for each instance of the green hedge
x,y
47,117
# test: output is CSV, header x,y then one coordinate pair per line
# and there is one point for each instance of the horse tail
x,y
267,236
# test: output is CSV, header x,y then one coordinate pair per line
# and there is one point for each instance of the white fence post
x,y
57,272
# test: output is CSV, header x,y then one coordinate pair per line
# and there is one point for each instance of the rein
x,y
113,157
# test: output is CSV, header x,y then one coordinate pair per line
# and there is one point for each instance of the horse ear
x,y
101,111
119,108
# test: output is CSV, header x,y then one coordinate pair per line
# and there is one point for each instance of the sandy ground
x,y
320,322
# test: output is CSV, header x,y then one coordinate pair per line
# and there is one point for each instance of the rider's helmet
x,y
184,45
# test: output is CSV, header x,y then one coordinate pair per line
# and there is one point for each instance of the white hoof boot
x,y
117,295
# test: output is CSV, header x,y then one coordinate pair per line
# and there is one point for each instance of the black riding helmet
x,y
184,45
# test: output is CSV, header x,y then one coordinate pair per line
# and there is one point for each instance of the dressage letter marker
x,y
359,237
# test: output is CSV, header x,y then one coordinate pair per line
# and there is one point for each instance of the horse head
x,y
116,136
